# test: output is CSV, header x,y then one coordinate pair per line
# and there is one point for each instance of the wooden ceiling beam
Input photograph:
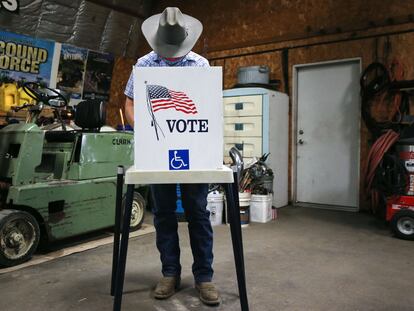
x,y
119,8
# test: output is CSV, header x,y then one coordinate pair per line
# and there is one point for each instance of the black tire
x,y
138,212
19,237
402,224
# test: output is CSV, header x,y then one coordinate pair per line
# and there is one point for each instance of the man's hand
x,y
129,111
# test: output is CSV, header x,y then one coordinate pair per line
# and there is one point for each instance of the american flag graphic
x,y
162,98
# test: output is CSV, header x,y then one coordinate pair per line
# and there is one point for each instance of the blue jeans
x,y
194,199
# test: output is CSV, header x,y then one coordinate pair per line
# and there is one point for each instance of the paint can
x,y
261,208
215,207
244,202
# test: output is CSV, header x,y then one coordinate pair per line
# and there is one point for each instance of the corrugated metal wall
x,y
103,25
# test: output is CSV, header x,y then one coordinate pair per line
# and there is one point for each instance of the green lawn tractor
x,y
56,184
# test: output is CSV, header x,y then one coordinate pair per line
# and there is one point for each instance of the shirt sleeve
x,y
141,62
203,62
129,89
206,64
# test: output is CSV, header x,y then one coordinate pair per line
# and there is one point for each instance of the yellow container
x,y
9,96
2,97
23,97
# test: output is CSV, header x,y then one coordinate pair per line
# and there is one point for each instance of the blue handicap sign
x,y
179,159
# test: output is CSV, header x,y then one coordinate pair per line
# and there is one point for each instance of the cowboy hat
x,y
171,33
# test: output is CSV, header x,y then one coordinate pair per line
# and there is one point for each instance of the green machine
x,y
56,184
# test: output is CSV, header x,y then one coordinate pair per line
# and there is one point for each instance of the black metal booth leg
x,y
237,220
233,210
117,229
120,273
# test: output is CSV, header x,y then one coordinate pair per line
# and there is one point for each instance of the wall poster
x,y
22,59
71,70
98,76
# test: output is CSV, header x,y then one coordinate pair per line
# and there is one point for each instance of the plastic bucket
x,y
244,202
215,207
261,208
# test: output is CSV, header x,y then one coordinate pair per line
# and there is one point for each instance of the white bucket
x,y
261,208
215,206
244,202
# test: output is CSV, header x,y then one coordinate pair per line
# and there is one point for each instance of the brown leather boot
x,y
167,287
209,295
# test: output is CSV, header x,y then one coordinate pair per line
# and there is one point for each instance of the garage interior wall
x,y
112,26
101,25
236,33
245,33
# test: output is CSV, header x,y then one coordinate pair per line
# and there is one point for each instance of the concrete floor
x,y
308,259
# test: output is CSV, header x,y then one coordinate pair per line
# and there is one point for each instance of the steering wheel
x,y
32,89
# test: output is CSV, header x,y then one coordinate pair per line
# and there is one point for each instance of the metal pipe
x,y
120,274
117,228
233,210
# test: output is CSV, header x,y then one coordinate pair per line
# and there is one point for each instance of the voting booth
x,y
178,116
178,131
178,138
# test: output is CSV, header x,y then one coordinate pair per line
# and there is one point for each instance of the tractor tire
x,y
19,237
137,213
402,224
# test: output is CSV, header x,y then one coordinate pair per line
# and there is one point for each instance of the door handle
x,y
300,141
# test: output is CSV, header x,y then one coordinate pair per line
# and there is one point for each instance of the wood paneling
x,y
245,23
120,75
399,47
246,32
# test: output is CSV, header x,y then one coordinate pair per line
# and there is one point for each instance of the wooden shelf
x,y
21,115
404,85
11,114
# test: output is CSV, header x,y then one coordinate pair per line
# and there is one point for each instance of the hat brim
x,y
149,29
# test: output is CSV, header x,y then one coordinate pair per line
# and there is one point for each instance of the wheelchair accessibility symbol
x,y
179,159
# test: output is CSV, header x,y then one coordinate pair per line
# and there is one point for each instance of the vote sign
x,y
178,118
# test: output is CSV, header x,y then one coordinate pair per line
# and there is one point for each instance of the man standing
x,y
172,35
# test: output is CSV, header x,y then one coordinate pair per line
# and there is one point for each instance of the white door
x,y
327,138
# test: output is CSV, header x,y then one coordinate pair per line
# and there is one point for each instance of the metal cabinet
x,y
256,121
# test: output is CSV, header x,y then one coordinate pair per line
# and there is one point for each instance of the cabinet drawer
x,y
237,106
248,146
243,126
